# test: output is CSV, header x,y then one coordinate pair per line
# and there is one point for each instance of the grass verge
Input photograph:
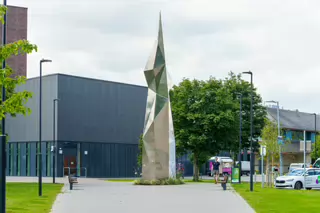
x,y
265,200
23,197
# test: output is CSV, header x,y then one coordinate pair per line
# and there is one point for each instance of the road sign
x,y
280,140
263,150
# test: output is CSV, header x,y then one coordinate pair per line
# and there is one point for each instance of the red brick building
x,y
17,28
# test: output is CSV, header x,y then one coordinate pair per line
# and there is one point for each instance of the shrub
x,y
170,181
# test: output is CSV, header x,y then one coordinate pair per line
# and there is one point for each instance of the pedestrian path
x,y
92,195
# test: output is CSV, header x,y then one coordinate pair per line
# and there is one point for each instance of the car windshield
x,y
317,164
296,172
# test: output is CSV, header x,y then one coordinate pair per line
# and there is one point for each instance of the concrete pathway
x,y
92,195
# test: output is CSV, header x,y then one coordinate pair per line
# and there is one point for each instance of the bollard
x,y
71,185
224,186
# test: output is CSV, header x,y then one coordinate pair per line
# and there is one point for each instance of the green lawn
x,y
279,200
23,197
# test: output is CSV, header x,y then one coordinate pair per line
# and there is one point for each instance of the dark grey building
x,y
98,124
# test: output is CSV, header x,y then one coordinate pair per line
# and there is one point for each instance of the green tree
x,y
15,101
270,140
315,153
204,119
235,85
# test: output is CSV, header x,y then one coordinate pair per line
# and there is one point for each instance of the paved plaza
x,y
93,195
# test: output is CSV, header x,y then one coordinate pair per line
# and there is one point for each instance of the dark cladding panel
x,y
26,128
100,111
109,160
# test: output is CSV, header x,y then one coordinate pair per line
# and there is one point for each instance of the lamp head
x,y
45,60
248,72
271,101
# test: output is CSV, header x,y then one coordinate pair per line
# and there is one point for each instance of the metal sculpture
x,y
158,156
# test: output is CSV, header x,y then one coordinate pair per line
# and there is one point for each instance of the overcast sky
x,y
112,39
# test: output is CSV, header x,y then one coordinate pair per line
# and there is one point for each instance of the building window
x,y
308,136
288,134
37,160
27,160
18,159
48,159
313,137
9,159
12,159
297,135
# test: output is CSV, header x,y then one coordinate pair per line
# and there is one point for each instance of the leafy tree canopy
x,y
15,101
236,84
315,153
206,116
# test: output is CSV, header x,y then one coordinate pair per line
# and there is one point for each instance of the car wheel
x,y
298,185
308,188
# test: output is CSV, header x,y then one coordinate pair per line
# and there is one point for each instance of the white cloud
x,y
111,40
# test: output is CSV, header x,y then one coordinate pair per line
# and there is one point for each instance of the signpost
x,y
235,175
263,152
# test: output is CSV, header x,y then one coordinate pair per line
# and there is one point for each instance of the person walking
x,y
216,166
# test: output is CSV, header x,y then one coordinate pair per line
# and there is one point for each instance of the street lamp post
x,y
279,135
54,141
3,125
251,131
40,127
240,135
315,135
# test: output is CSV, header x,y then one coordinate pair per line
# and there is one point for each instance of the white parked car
x,y
295,179
298,166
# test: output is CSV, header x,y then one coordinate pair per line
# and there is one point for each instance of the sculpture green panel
x,y
159,154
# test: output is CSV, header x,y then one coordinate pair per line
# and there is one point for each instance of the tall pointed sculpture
x,y
159,154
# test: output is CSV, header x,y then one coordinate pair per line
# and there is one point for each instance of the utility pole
x,y
3,127
251,133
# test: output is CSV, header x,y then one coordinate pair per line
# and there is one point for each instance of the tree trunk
x,y
272,177
268,171
195,169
